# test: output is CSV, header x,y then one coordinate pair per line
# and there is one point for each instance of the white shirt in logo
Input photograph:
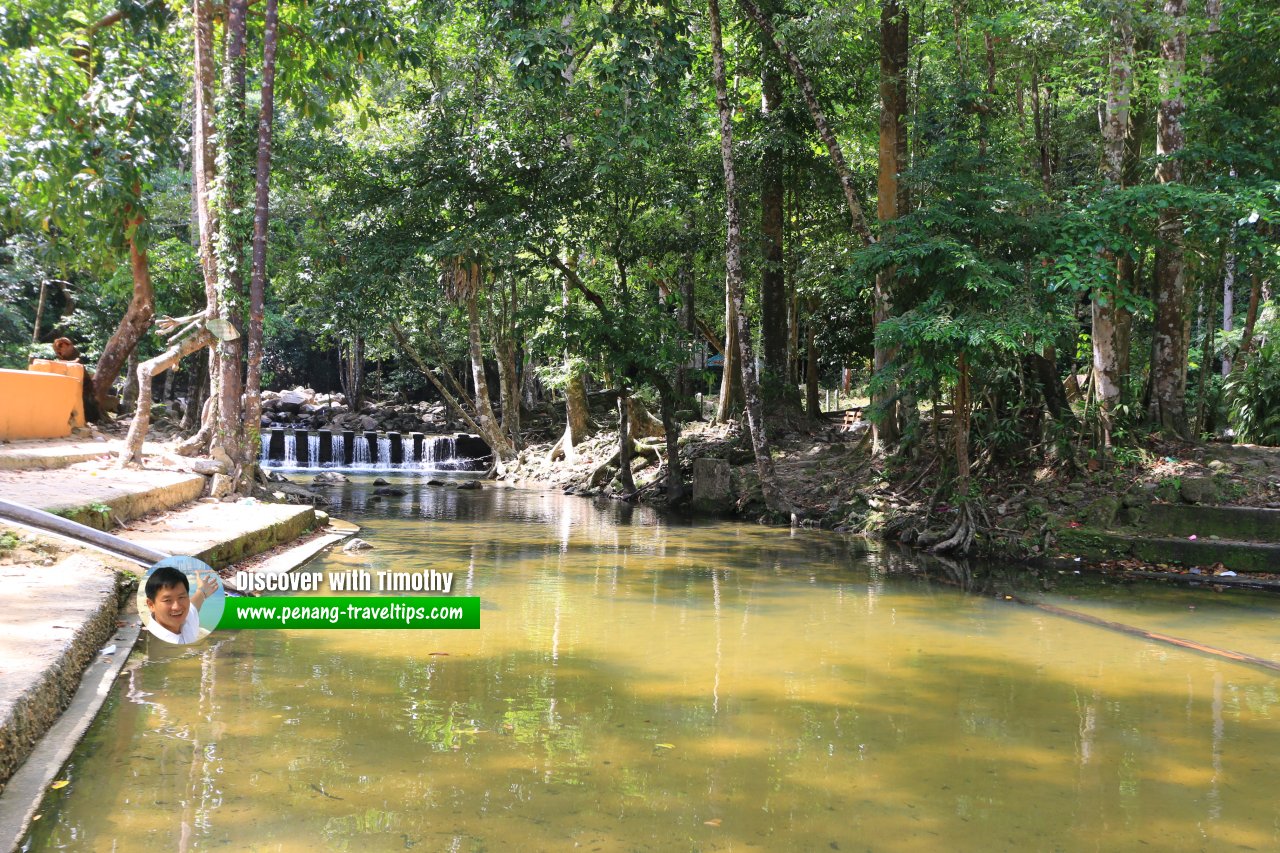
x,y
190,629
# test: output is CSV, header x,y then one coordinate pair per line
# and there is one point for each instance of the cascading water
x,y
439,453
279,449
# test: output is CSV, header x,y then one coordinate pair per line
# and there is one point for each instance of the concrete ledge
x,y
1202,551
53,621
224,533
1244,523
101,499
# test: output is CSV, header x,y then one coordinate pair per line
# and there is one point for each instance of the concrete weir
x,y
374,451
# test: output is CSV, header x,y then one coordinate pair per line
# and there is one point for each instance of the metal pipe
x,y
47,522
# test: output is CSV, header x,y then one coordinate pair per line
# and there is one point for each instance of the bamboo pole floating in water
x,y
1191,645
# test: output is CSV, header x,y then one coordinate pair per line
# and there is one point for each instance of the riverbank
x,y
1166,506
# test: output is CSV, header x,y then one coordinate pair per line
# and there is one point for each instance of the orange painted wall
x,y
43,402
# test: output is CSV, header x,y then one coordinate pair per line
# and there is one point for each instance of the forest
x,y
1046,230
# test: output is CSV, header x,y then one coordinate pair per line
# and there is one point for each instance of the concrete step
x,y
98,497
222,533
45,454
1237,555
52,453
1248,524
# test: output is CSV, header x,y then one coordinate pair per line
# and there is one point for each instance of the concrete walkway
x,y
63,607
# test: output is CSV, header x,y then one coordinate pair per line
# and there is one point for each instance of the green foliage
x,y
1253,393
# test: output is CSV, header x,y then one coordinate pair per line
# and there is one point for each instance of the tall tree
x,y
1171,339
894,54
261,219
773,497
1106,303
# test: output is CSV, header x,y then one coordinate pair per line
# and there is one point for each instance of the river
x,y
643,684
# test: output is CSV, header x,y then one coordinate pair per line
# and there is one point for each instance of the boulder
x,y
1102,512
220,485
469,485
390,492
329,477
208,467
712,488
1199,490
291,402
356,545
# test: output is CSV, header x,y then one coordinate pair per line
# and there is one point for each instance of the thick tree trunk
x,y
578,426
894,52
131,455
773,285
1171,337
228,436
773,496
351,371
490,430
504,351
136,321
731,376
258,271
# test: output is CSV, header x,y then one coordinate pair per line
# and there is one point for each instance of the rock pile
x,y
303,408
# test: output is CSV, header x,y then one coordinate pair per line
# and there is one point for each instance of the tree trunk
x,y
813,401
228,436
688,321
731,374
131,455
261,220
773,497
136,321
449,399
828,136
498,442
1106,312
1169,352
894,53
578,426
624,443
671,431
504,350
773,286
129,396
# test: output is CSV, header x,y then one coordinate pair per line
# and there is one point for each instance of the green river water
x,y
644,685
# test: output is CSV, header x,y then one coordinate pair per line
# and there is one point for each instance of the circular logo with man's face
x,y
181,600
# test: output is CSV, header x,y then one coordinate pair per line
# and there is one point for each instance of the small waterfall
x,y
264,457
290,450
439,453
313,450
384,452
337,447
361,454
410,461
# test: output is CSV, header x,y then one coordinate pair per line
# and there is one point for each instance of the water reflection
x,y
647,686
